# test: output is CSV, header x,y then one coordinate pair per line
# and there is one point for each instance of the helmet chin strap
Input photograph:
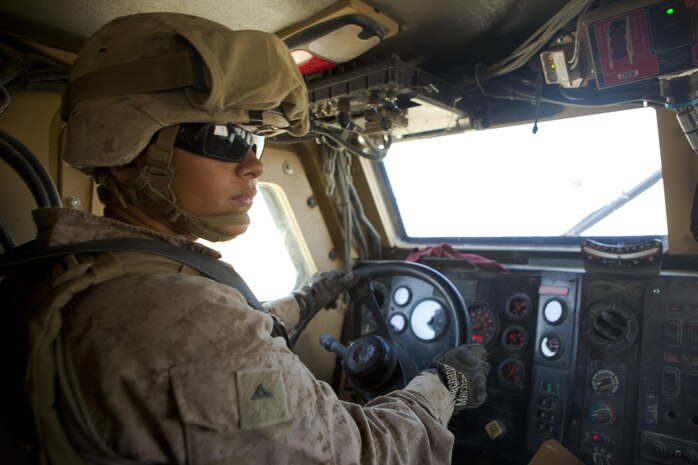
x,y
151,190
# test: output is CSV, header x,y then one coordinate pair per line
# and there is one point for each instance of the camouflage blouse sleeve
x,y
180,369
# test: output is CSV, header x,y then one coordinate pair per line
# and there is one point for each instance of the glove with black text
x,y
463,371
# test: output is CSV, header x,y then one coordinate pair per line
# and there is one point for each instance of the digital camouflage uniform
x,y
176,368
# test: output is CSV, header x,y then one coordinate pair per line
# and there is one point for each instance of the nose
x,y
251,167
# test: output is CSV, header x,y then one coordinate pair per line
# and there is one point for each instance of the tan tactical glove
x,y
322,291
463,371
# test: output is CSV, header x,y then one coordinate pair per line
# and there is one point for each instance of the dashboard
x,y
606,363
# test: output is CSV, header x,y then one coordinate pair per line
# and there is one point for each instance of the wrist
x,y
302,304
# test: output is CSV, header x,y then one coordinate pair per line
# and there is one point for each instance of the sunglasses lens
x,y
225,142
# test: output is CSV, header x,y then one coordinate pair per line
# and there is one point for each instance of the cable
x,y
535,42
624,96
331,134
574,61
377,252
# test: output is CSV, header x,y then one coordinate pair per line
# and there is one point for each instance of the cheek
x,y
200,184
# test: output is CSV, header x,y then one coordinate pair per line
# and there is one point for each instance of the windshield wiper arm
x,y
603,212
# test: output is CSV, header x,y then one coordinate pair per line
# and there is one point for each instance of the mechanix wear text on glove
x,y
464,372
322,291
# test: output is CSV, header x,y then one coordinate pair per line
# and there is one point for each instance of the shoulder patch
x,y
261,398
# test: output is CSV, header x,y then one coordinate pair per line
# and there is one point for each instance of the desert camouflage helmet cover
x,y
144,72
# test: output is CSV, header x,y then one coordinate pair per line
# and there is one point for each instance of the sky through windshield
x,y
509,182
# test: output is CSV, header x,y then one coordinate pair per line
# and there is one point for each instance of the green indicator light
x,y
670,11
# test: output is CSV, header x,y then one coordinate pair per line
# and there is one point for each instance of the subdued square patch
x,y
261,398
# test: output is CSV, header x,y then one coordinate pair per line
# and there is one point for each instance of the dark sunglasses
x,y
226,142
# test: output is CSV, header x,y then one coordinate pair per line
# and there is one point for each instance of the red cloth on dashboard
x,y
444,250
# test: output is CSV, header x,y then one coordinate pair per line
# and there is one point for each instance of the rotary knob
x,y
605,382
602,413
658,449
691,456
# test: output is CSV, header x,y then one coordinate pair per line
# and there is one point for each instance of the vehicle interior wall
x,y
680,171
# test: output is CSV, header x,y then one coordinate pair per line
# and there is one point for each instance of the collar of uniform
x,y
61,226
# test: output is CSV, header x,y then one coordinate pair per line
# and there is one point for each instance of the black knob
x,y
605,382
602,413
658,449
691,456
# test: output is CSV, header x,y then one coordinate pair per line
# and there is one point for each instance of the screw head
x,y
73,202
288,167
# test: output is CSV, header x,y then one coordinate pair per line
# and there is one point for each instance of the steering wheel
x,y
399,328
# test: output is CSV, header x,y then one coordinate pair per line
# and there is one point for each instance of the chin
x,y
233,230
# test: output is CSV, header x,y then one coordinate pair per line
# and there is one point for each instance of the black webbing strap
x,y
207,266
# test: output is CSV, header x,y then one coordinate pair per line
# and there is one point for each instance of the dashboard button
x,y
692,384
672,333
671,381
693,332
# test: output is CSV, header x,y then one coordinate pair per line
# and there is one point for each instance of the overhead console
x,y
385,96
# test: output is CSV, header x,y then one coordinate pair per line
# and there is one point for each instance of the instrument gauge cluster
x,y
484,323
515,338
519,306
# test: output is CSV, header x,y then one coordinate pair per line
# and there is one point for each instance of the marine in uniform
x,y
152,365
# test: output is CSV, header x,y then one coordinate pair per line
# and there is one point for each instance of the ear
x,y
125,173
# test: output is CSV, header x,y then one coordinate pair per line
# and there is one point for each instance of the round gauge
x,y
515,338
519,305
483,323
551,346
402,296
429,320
398,323
512,372
554,312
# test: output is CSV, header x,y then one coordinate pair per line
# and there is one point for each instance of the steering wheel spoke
x,y
390,355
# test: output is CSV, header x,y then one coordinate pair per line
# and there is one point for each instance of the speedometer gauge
x,y
483,323
429,320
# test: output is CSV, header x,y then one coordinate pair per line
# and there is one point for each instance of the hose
x,y
22,166
50,74
47,87
4,99
6,240
24,47
37,167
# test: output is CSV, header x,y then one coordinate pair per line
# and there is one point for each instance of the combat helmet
x,y
145,74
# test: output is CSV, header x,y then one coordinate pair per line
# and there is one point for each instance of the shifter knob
x,y
329,342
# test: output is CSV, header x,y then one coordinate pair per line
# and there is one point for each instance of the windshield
x,y
596,175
